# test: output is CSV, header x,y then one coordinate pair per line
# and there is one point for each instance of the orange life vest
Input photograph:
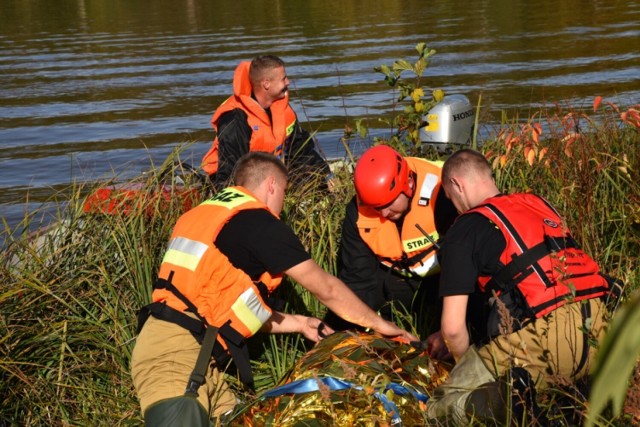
x,y
541,261
205,276
268,134
407,251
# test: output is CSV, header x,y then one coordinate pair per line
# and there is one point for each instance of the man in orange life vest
x,y
389,235
224,258
521,301
258,117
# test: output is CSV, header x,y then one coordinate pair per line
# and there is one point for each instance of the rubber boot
x,y
448,403
511,400
524,401
181,411
488,403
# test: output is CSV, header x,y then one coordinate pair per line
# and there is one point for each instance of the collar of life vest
x,y
426,190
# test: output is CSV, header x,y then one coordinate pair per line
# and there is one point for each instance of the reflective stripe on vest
x,y
426,266
185,252
249,308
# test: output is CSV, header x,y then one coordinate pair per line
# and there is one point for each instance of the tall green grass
x,y
68,298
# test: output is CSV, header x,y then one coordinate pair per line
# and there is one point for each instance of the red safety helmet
x,y
380,176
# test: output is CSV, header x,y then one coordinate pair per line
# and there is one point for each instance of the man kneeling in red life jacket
x,y
521,301
258,117
224,258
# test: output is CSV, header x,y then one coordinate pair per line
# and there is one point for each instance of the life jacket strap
x,y
402,266
585,311
521,265
168,285
239,351
160,310
197,377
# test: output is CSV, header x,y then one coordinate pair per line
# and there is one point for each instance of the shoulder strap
x,y
518,269
520,265
197,377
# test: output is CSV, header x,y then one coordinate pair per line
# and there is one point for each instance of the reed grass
x,y
69,295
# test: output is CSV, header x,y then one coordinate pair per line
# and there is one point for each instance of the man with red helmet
x,y
389,234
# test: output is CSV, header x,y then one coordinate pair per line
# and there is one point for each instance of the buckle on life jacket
x,y
524,264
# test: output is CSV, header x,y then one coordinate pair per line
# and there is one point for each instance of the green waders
x,y
181,411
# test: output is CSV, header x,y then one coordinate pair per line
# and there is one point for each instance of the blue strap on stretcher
x,y
335,384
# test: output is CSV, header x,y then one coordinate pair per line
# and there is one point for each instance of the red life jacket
x,y
541,262
408,251
269,134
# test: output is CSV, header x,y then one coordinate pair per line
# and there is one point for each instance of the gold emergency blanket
x,y
350,379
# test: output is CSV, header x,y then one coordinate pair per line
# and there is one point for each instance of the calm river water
x,y
89,89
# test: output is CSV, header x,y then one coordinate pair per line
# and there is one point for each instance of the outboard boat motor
x,y
448,125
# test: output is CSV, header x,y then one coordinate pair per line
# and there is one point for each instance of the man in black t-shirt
x,y
521,301
252,245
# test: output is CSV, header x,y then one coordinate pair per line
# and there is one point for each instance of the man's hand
x,y
333,293
390,329
315,330
437,348
312,328
331,184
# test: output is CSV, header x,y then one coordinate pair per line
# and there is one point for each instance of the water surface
x,y
89,89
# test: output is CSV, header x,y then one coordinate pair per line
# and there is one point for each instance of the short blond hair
x,y
260,65
466,162
254,167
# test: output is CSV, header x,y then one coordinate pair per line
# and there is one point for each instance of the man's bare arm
x,y
333,293
454,324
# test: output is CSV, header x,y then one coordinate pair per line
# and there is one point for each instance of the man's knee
x,y
449,402
472,392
